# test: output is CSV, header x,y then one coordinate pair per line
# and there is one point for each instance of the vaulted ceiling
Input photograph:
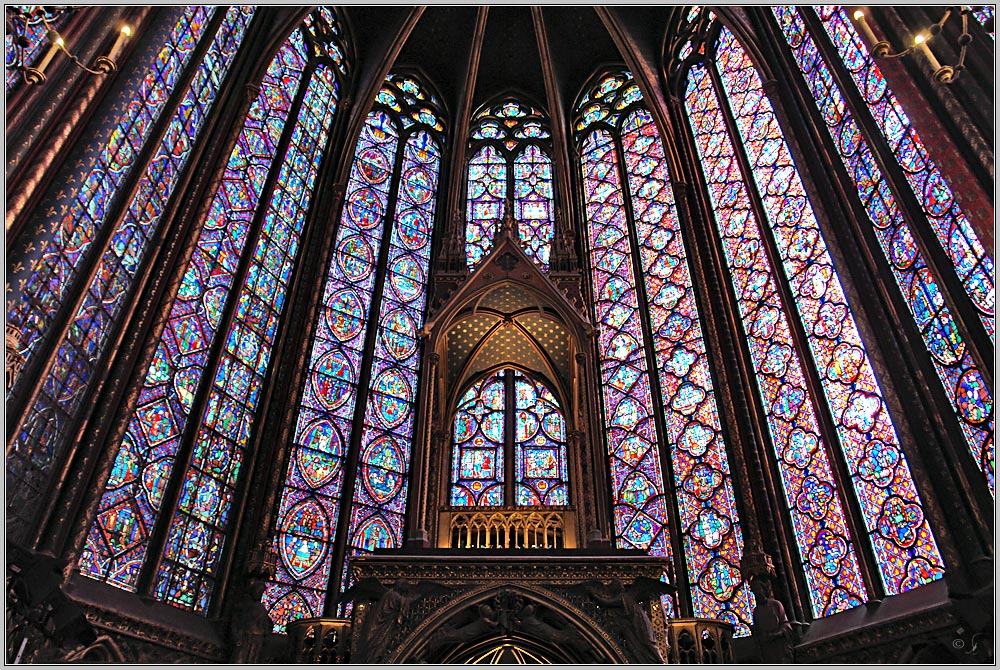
x,y
543,54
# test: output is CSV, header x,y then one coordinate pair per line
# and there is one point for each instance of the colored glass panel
x,y
985,14
315,476
533,203
145,456
486,193
953,230
33,31
477,465
511,165
540,465
640,508
814,502
971,399
44,431
55,270
196,535
379,504
713,540
904,545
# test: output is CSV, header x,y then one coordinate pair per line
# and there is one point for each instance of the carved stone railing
x,y
320,640
500,528
700,641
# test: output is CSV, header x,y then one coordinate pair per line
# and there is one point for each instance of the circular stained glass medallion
x,y
418,184
366,207
382,468
332,379
413,230
355,258
302,543
399,334
346,315
406,278
392,397
374,165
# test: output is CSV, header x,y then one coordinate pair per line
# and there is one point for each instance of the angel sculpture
x,y
388,610
530,622
633,626
771,628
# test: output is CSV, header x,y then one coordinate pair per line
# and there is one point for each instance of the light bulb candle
x,y
123,35
876,47
866,31
920,42
57,44
107,63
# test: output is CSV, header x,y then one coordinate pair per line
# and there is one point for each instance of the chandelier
x,y
944,74
31,27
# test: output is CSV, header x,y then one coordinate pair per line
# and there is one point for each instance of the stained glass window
x,y
971,397
985,14
540,466
702,490
386,222
509,427
25,38
44,430
953,230
117,544
477,461
511,163
898,532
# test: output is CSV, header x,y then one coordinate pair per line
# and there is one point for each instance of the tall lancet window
x,y
347,475
252,231
831,61
72,270
509,444
761,212
666,424
510,145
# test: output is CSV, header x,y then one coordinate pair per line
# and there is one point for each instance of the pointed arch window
x,y
225,329
762,211
347,479
945,340
510,147
645,304
509,444
70,272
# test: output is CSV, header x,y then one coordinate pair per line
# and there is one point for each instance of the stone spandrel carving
x,y
388,611
633,625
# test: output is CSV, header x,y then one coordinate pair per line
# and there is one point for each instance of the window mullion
x,y
510,438
829,434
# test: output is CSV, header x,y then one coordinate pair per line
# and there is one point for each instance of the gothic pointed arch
x,y
346,482
510,167
456,631
162,522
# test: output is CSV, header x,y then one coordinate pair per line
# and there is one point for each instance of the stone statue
x,y
250,625
387,612
771,629
632,624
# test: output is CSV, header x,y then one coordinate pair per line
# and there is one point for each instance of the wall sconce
x,y
35,75
945,74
